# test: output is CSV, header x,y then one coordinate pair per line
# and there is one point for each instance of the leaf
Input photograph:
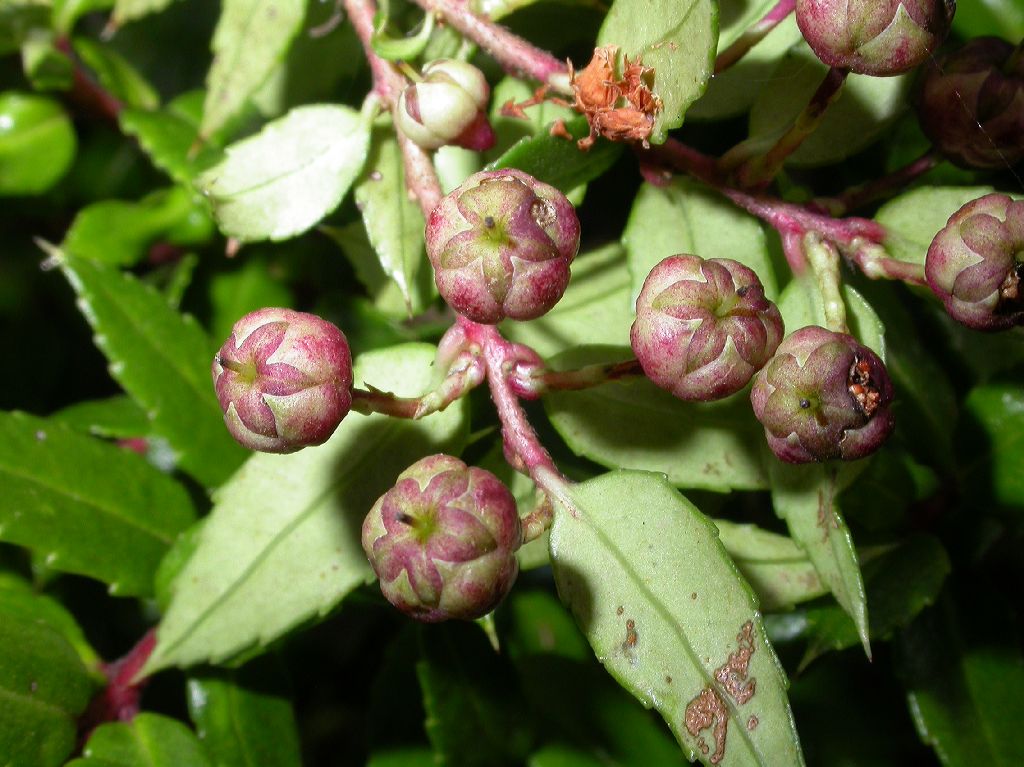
x,y
963,673
865,108
252,284
775,567
162,360
594,310
801,305
132,10
401,48
46,66
251,37
18,601
805,497
734,91
669,616
677,38
281,545
393,221
999,411
913,219
19,19
43,688
116,417
87,506
116,74
119,232
899,583
37,143
148,740
686,217
976,19
244,718
170,138
66,13
474,711
708,445
295,171
558,161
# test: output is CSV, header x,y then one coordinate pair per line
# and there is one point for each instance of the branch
x,y
119,700
859,196
755,34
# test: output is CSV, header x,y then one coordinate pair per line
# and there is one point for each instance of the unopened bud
x,y
447,107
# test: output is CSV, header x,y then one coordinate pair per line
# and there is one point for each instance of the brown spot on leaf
x,y
752,723
693,595
631,636
708,711
732,675
620,610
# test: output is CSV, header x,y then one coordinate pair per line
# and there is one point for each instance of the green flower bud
x,y
447,107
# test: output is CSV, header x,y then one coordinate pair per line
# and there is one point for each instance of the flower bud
x,y
703,327
823,396
283,379
975,264
501,245
874,37
447,107
971,104
443,540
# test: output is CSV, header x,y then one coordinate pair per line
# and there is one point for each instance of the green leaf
x,y
913,219
19,601
899,583
132,10
667,613
534,622
393,221
43,688
37,143
474,712
594,310
19,18
677,38
776,568
254,282
295,171
805,497
117,417
87,506
401,48
734,91
148,740
801,305
66,13
686,217
162,359
999,410
245,717
558,161
708,445
46,66
170,138
282,543
117,75
864,109
251,38
963,673
1002,17
119,232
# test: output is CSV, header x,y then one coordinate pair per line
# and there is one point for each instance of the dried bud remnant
x,y
874,37
975,262
447,107
971,104
703,327
501,245
618,108
442,540
283,379
823,396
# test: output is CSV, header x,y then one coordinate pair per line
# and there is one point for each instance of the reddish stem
x,y
119,700
757,32
420,176
85,90
511,51
859,196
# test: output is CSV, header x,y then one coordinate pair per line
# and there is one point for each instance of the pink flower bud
x,y
447,107
283,379
443,540
501,245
